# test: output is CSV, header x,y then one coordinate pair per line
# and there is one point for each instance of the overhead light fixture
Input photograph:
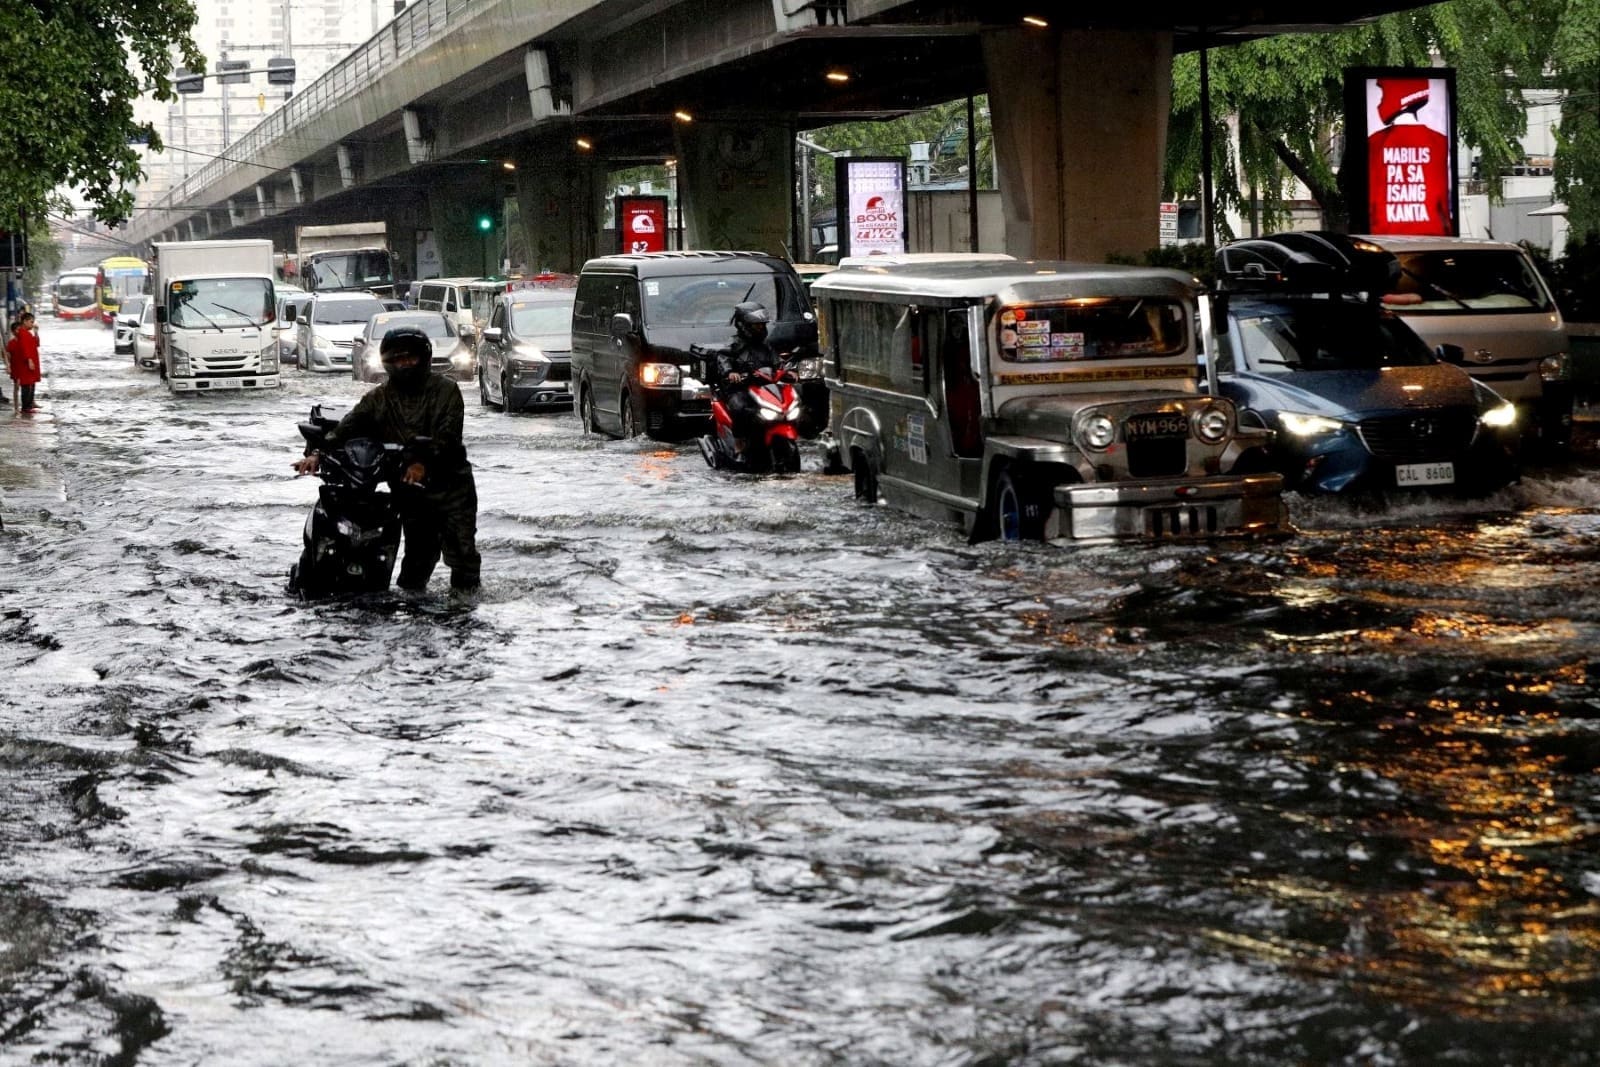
x,y
584,143
1035,20
837,76
683,116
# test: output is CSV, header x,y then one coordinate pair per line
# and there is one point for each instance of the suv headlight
x,y
660,374
1500,416
1211,425
1099,431
1308,425
1556,368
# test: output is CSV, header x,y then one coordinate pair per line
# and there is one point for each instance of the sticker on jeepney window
x,y
1066,340
1112,327
917,438
1029,327
652,288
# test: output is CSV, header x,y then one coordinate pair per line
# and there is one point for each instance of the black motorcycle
x,y
352,535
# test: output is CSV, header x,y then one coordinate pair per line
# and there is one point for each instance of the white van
x,y
453,298
1486,302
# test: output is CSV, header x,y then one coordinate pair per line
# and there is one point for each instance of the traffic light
x,y
185,80
280,71
485,222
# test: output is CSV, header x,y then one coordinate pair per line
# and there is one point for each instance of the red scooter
x,y
775,447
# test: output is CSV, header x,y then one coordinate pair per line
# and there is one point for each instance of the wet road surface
x,y
729,771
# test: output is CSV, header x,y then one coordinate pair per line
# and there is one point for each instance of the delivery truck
x,y
215,314
352,255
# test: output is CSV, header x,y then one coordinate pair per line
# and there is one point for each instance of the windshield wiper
x,y
242,315
203,315
1435,286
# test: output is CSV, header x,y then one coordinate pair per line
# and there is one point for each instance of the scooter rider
x,y
422,412
749,353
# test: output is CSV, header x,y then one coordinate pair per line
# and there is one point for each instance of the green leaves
x,y
66,110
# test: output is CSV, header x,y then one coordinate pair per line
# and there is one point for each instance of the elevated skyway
x,y
457,103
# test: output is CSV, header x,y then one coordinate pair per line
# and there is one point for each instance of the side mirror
x,y
621,325
289,314
493,335
1451,353
161,315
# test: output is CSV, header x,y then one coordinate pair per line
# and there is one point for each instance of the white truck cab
x,y
215,315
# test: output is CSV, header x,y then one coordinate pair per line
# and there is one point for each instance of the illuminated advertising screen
x,y
643,222
1399,170
872,192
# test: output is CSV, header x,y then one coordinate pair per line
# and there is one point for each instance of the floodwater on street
x,y
720,770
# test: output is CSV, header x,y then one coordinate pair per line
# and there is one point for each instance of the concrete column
x,y
558,200
454,205
734,183
297,186
542,99
419,136
347,166
263,201
1080,122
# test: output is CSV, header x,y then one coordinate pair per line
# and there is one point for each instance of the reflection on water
x,y
730,770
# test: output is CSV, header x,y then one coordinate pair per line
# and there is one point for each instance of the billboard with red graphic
x,y
1399,171
643,222
872,195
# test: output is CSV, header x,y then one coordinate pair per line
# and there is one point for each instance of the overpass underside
x,y
459,104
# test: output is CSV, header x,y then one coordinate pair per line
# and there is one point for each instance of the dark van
x,y
636,316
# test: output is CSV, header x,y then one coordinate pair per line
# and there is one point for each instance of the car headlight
x,y
1212,425
1500,416
1099,431
1556,368
180,360
319,341
1308,425
269,359
663,374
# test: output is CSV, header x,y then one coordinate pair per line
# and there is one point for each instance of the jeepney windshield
x,y
1111,327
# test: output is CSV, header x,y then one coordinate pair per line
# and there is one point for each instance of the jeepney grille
x,y
1158,457
1418,437
1184,520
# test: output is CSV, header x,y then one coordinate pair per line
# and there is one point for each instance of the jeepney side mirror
x,y
621,326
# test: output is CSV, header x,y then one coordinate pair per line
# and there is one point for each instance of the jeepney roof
x,y
1008,281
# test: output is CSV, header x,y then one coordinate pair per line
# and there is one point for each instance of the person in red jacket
x,y
23,361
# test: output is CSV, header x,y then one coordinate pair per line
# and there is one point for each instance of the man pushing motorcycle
x,y
422,412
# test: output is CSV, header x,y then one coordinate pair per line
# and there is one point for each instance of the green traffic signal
x,y
485,223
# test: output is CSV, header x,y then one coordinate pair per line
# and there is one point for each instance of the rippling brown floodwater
x,y
723,772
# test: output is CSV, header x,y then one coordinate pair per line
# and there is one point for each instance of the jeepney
x,y
1039,400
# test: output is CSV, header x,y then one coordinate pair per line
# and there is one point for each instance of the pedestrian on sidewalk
x,y
23,359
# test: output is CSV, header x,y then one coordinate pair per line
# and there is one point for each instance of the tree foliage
x,y
1575,60
1286,95
74,70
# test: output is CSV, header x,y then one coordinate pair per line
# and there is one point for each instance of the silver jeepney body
x,y
945,399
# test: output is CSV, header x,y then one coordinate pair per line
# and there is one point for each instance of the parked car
x,y
326,332
1357,399
126,324
284,326
144,338
525,352
1038,400
1488,299
637,315
452,356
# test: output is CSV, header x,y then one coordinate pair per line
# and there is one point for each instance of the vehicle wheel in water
x,y
785,456
1019,514
505,395
586,410
866,478
630,429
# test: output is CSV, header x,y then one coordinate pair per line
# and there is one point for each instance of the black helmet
x,y
750,321
407,341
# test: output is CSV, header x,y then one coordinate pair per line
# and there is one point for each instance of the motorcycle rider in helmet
x,y
422,412
749,353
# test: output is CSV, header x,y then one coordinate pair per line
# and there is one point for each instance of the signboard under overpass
x,y
872,192
1399,171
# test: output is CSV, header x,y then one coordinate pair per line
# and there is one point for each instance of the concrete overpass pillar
x,y
734,184
454,208
558,201
1080,121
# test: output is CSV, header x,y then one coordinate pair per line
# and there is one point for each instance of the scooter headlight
x,y
1099,431
771,414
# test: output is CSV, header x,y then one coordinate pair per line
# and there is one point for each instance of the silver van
x,y
1488,302
1039,400
453,298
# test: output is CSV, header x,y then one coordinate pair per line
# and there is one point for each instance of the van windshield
x,y
1486,279
708,299
1109,327
221,303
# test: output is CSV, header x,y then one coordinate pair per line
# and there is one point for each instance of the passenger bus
x,y
118,277
73,296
